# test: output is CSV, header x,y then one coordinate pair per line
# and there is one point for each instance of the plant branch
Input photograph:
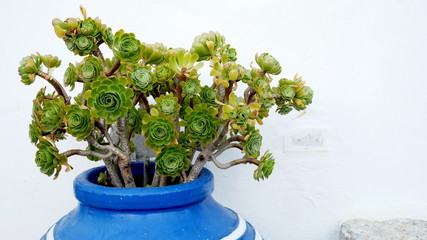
x,y
104,131
99,55
81,152
231,145
144,102
234,162
222,133
58,87
113,69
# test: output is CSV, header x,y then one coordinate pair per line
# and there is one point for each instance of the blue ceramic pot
x,y
185,211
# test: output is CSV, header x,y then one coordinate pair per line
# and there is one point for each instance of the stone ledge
x,y
395,229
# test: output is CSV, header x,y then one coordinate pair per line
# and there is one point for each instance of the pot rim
x,y
88,192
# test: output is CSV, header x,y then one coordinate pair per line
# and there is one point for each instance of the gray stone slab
x,y
395,229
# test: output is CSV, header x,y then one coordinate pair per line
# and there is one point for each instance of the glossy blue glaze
x,y
184,211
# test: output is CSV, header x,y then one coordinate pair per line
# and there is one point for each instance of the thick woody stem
x,y
145,103
113,69
234,162
113,170
81,152
247,92
222,132
124,162
200,162
58,87
162,182
104,131
234,138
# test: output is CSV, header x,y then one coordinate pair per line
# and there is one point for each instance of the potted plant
x,y
158,92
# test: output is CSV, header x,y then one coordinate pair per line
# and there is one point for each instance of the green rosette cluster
x,y
190,88
265,167
253,144
34,132
52,114
143,79
209,95
163,73
80,123
207,44
159,130
153,53
294,94
90,68
50,61
109,98
172,160
168,104
126,47
82,37
228,54
268,63
182,63
71,76
28,68
134,121
201,123
48,158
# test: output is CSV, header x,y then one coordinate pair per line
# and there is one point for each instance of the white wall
x,y
365,60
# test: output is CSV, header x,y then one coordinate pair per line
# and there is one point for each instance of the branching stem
x,y
58,87
234,162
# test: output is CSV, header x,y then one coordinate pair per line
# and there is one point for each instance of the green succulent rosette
x,y
303,98
80,44
134,121
209,95
201,123
109,98
171,52
126,47
71,76
172,160
153,53
159,130
48,158
28,68
62,28
34,132
143,79
207,44
107,35
90,27
284,109
265,167
163,73
52,114
268,63
50,61
253,144
182,63
90,68
80,123
191,87
228,54
168,104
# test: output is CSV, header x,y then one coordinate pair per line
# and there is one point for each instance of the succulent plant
x,y
168,104
80,123
126,47
143,79
149,89
48,158
207,44
159,131
172,160
201,123
268,63
253,144
265,167
109,98
71,76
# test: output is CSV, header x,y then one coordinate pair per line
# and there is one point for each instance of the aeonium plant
x,y
155,91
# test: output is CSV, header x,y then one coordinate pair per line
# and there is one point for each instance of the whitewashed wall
x,y
365,60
